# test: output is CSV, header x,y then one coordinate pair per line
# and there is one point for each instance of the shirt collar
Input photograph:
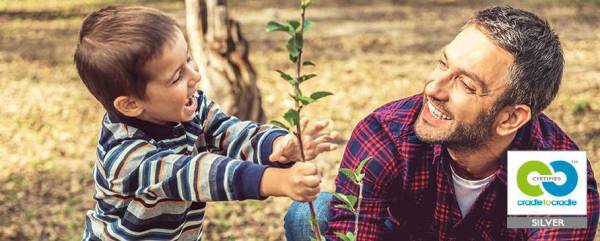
x,y
524,140
153,130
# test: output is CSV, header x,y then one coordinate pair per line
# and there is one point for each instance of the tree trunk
x,y
217,45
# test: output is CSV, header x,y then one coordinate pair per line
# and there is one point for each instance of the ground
x,y
367,52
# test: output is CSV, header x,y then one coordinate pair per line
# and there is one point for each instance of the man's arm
x,y
575,234
369,139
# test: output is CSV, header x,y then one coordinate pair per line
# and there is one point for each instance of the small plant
x,y
350,201
295,46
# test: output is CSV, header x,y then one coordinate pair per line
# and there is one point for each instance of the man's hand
x,y
314,141
299,182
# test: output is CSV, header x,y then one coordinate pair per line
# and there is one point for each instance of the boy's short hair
x,y
114,45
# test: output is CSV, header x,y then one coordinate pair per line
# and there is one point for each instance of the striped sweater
x,y
153,181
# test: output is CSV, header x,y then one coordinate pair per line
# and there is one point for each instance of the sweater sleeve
x,y
244,140
137,167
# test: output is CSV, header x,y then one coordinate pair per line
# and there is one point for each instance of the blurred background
x,y
367,52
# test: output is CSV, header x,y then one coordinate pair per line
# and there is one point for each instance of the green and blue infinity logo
x,y
547,177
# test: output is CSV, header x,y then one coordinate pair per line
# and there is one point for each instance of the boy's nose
x,y
195,77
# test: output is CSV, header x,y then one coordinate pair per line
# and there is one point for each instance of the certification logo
x,y
551,184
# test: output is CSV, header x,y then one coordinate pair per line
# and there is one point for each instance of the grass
x,y
368,53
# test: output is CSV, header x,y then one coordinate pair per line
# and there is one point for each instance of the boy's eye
x,y
179,77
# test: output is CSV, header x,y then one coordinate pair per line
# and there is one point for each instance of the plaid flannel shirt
x,y
408,192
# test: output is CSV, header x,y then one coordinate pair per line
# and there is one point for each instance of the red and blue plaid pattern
x,y
408,192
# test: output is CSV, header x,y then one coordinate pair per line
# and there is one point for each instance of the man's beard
x,y
466,136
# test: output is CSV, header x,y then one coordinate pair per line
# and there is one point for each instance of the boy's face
x,y
173,79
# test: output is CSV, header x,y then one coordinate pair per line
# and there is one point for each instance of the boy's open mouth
x,y
191,99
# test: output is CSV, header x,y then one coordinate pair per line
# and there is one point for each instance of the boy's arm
x,y
137,167
244,140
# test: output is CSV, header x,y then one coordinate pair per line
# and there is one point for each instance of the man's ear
x,y
511,118
128,106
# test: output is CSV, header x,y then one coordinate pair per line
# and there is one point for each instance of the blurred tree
x,y
217,45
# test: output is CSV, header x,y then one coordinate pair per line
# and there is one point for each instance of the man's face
x,y
173,80
471,74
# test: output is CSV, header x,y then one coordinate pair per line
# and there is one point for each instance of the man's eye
x,y
442,65
469,89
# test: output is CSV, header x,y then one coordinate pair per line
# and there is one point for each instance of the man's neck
x,y
481,162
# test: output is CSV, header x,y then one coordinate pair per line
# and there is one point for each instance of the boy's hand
x,y
299,182
314,141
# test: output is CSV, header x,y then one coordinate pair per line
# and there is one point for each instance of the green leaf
x,y
305,100
306,77
273,26
307,62
342,236
292,49
349,173
352,199
277,123
313,239
351,236
292,117
294,24
320,94
293,58
295,44
308,25
359,178
361,165
306,3
342,206
287,77
348,200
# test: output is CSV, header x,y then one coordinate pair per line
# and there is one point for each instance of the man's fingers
x,y
318,127
325,147
304,124
326,137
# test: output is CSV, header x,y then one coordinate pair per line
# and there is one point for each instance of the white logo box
x,y
515,159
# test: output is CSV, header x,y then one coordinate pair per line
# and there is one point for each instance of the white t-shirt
x,y
467,191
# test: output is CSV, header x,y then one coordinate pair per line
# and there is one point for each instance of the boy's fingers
x,y
307,168
311,198
275,156
311,181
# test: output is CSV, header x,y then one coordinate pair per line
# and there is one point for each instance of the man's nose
x,y
438,85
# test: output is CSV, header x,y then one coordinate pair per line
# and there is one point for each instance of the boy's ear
x,y
128,106
511,118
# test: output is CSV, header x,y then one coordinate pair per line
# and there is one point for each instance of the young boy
x,y
165,149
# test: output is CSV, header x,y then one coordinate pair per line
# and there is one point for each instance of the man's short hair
x,y
114,45
536,73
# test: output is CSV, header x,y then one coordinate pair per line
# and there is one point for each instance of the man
x,y
438,168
